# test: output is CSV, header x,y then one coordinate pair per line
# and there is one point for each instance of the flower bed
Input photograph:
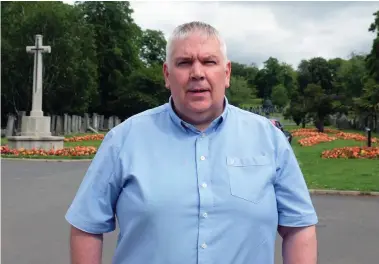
x,y
67,152
85,138
354,136
352,153
312,137
313,140
307,132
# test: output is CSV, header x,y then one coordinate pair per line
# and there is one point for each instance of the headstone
x,y
101,122
65,124
83,126
86,121
332,120
53,124
117,121
110,122
73,124
69,128
343,122
59,126
10,125
79,124
36,128
95,124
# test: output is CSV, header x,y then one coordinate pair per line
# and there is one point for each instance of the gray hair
x,y
182,31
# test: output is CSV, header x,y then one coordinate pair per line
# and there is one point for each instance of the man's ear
x,y
166,74
228,71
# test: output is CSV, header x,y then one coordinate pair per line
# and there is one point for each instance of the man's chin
x,y
199,107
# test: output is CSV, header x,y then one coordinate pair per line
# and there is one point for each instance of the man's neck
x,y
200,120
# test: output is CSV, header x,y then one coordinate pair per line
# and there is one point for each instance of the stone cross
x,y
38,49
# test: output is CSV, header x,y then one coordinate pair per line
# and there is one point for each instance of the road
x,y
36,195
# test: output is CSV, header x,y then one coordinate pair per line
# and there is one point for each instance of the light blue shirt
x,y
186,197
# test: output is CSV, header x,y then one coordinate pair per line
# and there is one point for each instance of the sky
x,y
254,31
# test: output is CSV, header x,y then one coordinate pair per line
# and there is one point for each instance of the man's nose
x,y
197,72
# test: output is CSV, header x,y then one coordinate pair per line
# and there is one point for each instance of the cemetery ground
x,y
322,170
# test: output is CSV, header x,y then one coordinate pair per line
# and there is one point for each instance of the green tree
x,y
145,89
268,77
153,47
373,57
297,110
368,104
70,74
288,78
279,95
117,41
239,91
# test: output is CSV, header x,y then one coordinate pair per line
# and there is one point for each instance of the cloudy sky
x,y
289,31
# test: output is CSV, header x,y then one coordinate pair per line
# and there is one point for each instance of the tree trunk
x,y
303,123
320,124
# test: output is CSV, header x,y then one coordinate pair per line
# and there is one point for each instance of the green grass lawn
x,y
338,174
91,143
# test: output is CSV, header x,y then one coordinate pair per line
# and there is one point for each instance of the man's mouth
x,y
198,90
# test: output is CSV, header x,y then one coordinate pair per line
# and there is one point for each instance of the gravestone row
x,y
66,124
260,110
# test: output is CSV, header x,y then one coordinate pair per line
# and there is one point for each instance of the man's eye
x,y
210,62
183,62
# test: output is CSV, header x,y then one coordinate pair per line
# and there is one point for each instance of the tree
x,y
297,109
373,57
153,47
288,78
279,95
70,70
268,77
117,42
368,104
315,78
145,89
239,91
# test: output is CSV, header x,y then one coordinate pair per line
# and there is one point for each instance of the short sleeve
x,y
295,208
92,209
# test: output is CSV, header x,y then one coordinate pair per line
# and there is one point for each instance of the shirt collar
x,y
183,125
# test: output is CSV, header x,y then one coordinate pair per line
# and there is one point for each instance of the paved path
x,y
35,197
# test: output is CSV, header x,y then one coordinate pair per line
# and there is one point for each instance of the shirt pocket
x,y
249,176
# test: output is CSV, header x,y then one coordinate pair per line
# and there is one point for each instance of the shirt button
x,y
205,215
204,245
204,185
202,158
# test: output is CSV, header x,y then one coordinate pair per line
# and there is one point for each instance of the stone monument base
x,y
35,126
36,142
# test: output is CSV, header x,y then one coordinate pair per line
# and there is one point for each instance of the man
x,y
187,181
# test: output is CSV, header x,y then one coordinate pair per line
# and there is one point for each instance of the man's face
x,y
197,75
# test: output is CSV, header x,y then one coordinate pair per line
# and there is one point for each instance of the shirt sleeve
x,y
295,208
92,209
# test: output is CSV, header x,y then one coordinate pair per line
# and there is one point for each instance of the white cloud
x,y
289,31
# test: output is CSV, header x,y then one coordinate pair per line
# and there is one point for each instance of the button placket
x,y
205,194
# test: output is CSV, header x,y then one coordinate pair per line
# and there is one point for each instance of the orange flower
x,y
352,153
313,140
73,151
85,138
